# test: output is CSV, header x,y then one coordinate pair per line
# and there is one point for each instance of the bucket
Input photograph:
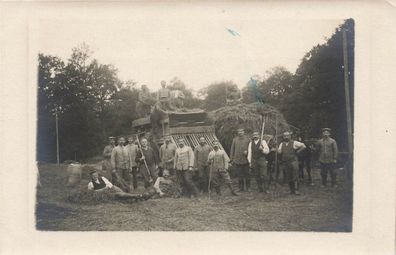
x,y
74,172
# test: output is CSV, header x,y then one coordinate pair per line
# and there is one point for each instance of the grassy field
x,y
317,209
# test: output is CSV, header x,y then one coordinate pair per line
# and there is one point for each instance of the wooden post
x,y
347,100
57,137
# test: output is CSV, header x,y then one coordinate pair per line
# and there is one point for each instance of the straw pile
x,y
248,116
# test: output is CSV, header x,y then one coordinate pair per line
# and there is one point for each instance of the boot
x,y
218,190
292,188
265,187
296,185
231,189
240,184
247,184
260,185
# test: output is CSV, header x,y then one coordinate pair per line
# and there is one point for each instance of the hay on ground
x,y
89,197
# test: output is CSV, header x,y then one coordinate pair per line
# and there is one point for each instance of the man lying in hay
x,y
100,189
166,186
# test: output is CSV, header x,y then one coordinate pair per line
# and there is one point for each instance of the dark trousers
x,y
152,172
324,169
243,176
134,177
290,170
202,178
259,167
120,179
185,180
307,163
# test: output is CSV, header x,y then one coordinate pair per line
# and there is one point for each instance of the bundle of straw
x,y
248,116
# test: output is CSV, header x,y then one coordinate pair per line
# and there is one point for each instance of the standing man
x,y
151,143
133,150
304,160
201,153
164,96
219,169
151,158
106,164
288,151
184,162
257,151
328,153
167,155
238,158
120,165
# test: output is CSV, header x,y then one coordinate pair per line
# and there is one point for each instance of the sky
x,y
154,45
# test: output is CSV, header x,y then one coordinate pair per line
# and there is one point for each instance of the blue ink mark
x,y
232,32
256,92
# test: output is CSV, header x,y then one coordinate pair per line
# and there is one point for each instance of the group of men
x,y
183,170
254,156
187,168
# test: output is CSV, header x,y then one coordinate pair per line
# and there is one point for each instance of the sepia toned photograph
x,y
195,123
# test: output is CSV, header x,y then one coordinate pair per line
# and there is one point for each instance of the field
x,y
317,209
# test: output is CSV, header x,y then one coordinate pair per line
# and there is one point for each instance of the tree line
x,y
91,102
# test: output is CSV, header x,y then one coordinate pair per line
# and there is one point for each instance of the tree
x,y
190,101
81,92
318,93
277,86
217,94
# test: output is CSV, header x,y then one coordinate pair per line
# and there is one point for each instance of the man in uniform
x,y
288,151
150,175
151,143
106,164
201,153
167,155
257,151
164,96
328,153
239,159
218,161
133,150
120,165
184,162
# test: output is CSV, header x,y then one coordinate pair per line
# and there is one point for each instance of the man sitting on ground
x,y
166,186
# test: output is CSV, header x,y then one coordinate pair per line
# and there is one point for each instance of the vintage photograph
x,y
185,122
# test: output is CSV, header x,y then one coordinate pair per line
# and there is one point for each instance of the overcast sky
x,y
198,49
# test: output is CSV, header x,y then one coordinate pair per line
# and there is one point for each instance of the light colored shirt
x,y
164,93
133,150
184,158
107,182
218,159
296,146
120,157
265,149
107,151
327,149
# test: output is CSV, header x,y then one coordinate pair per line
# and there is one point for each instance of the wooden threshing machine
x,y
189,125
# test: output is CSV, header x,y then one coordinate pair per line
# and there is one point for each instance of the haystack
x,y
248,116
